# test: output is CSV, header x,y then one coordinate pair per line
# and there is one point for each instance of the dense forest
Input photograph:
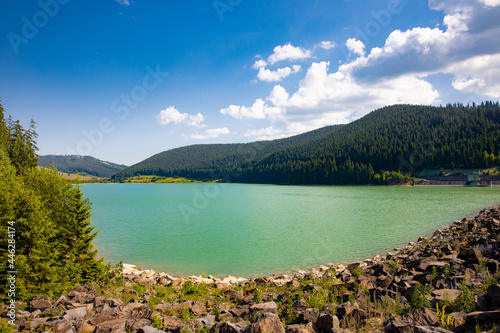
x,y
85,165
381,148
46,235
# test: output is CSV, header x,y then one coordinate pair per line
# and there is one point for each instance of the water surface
x,y
254,230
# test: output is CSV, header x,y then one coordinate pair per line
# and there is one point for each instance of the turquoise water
x,y
254,230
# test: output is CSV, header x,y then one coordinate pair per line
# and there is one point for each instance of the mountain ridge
x,y
74,164
378,148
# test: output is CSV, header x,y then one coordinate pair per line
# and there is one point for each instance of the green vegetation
x,y
163,180
387,146
84,165
45,217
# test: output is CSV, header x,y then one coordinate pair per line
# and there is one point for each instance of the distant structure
x,y
473,180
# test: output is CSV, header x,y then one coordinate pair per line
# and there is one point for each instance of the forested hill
x,y
81,164
377,148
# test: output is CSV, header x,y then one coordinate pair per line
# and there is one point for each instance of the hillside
x,y
85,165
378,148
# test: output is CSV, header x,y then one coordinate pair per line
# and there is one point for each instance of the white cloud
x,y
327,45
492,3
123,2
268,133
288,52
172,115
479,75
210,134
259,110
259,64
277,75
355,46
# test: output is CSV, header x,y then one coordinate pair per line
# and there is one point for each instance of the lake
x,y
254,230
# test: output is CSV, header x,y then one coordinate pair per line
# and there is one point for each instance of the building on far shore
x,y
473,180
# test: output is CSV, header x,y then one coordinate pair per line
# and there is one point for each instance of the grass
x,y
165,180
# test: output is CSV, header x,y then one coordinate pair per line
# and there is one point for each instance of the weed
x,y
446,321
419,295
257,296
5,327
157,322
318,299
465,301
139,289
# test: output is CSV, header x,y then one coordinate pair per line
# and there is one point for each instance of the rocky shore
x,y
449,282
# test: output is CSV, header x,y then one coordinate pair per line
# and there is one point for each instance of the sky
x,y
122,80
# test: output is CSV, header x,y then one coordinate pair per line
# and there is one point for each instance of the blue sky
x,y
122,80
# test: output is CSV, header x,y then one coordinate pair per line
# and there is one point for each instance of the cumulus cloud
x,y
277,75
172,115
268,133
210,133
288,52
259,110
327,45
355,46
471,31
259,64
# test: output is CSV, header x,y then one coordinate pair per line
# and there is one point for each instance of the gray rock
x,y
310,315
225,327
77,314
328,323
40,302
270,307
422,317
394,325
483,317
494,295
111,326
148,329
301,328
266,323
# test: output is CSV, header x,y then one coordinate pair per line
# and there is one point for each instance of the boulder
x,y
422,317
77,314
482,317
41,303
493,293
225,327
149,329
298,307
113,302
446,294
266,323
345,309
394,325
328,323
310,315
111,326
270,307
301,328
232,294
172,323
